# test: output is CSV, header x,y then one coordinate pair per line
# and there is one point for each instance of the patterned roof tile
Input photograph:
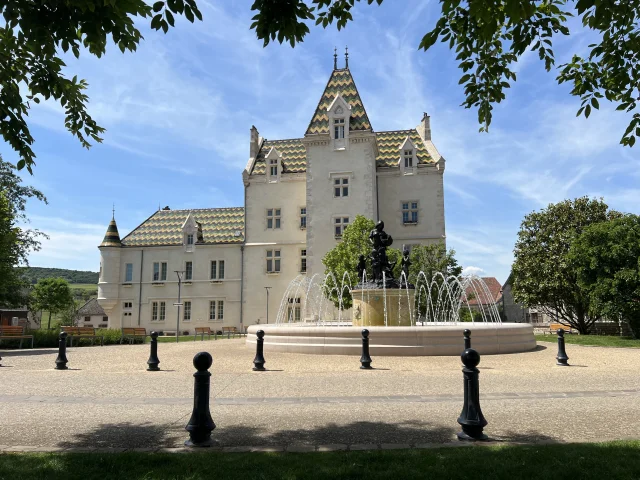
x,y
341,82
164,227
112,237
294,156
389,147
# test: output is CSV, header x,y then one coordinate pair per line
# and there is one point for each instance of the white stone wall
x,y
425,187
199,291
288,194
324,163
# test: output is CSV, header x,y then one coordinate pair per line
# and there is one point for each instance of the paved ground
x,y
107,399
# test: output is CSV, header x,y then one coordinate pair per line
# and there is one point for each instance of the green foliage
x,y
52,294
32,39
489,36
543,274
33,274
607,260
49,338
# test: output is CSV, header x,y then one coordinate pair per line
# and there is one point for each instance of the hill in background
x,y
33,274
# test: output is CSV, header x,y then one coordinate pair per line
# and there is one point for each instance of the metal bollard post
x,y
61,361
201,424
259,361
153,361
467,339
471,418
562,359
365,359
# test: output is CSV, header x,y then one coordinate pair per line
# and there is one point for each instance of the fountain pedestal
x,y
369,307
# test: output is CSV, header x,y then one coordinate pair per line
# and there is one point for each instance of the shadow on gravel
x,y
28,353
129,435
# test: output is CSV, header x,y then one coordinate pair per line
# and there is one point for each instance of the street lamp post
x,y
179,274
267,289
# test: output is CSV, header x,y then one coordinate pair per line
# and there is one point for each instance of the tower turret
x,y
109,280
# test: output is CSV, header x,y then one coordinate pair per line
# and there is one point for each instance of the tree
x,y
431,260
52,294
489,36
607,260
543,274
31,41
344,258
15,242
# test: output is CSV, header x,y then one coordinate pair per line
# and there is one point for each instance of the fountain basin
x,y
371,307
428,340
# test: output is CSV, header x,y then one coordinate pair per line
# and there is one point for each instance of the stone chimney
x,y
255,142
424,129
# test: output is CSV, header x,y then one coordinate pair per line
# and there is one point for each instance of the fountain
x,y
325,315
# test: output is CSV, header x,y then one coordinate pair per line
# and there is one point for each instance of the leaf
x,y
170,18
158,6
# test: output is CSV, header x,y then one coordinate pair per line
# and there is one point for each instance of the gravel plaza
x,y
108,401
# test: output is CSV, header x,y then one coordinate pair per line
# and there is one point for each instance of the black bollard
x,y
467,339
365,359
201,424
471,418
259,361
153,361
561,359
61,361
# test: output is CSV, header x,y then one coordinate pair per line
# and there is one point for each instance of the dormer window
x,y
190,239
408,159
273,160
190,228
338,128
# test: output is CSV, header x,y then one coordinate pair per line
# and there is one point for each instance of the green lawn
x,y
188,338
84,286
599,340
615,460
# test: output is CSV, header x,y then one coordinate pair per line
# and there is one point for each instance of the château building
x,y
300,194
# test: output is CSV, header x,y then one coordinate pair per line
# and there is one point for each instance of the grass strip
x,y
598,340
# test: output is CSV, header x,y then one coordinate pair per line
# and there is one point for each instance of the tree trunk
x,y
49,324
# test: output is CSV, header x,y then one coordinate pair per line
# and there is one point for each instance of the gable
x,y
389,148
294,156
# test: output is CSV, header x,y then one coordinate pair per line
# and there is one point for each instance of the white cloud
x,y
471,270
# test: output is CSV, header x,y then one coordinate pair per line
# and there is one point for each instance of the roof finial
x,y
335,58
113,212
346,57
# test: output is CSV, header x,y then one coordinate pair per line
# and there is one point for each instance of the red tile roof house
x,y
480,300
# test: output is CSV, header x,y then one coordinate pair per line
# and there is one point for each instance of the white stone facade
x,y
297,194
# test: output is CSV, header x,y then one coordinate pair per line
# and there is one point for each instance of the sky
x,y
178,113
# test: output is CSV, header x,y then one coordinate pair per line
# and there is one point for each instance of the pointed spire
x,y
335,58
346,57
112,237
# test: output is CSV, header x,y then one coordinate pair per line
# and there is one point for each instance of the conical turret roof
x,y
112,237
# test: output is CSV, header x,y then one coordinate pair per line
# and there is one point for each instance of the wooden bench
x,y
230,331
132,333
554,327
82,332
14,333
202,331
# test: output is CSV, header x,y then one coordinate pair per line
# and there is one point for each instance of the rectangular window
x,y
341,187
212,310
408,159
163,311
338,128
105,319
273,167
409,212
190,239
187,311
294,311
217,270
87,319
339,225
303,217
128,273
154,311
220,310
127,305
273,261
159,271
188,271
273,218
303,261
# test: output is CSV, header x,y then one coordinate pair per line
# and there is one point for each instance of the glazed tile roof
x,y
389,144
112,237
294,156
340,82
164,227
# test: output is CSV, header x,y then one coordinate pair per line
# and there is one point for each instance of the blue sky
x,y
179,110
